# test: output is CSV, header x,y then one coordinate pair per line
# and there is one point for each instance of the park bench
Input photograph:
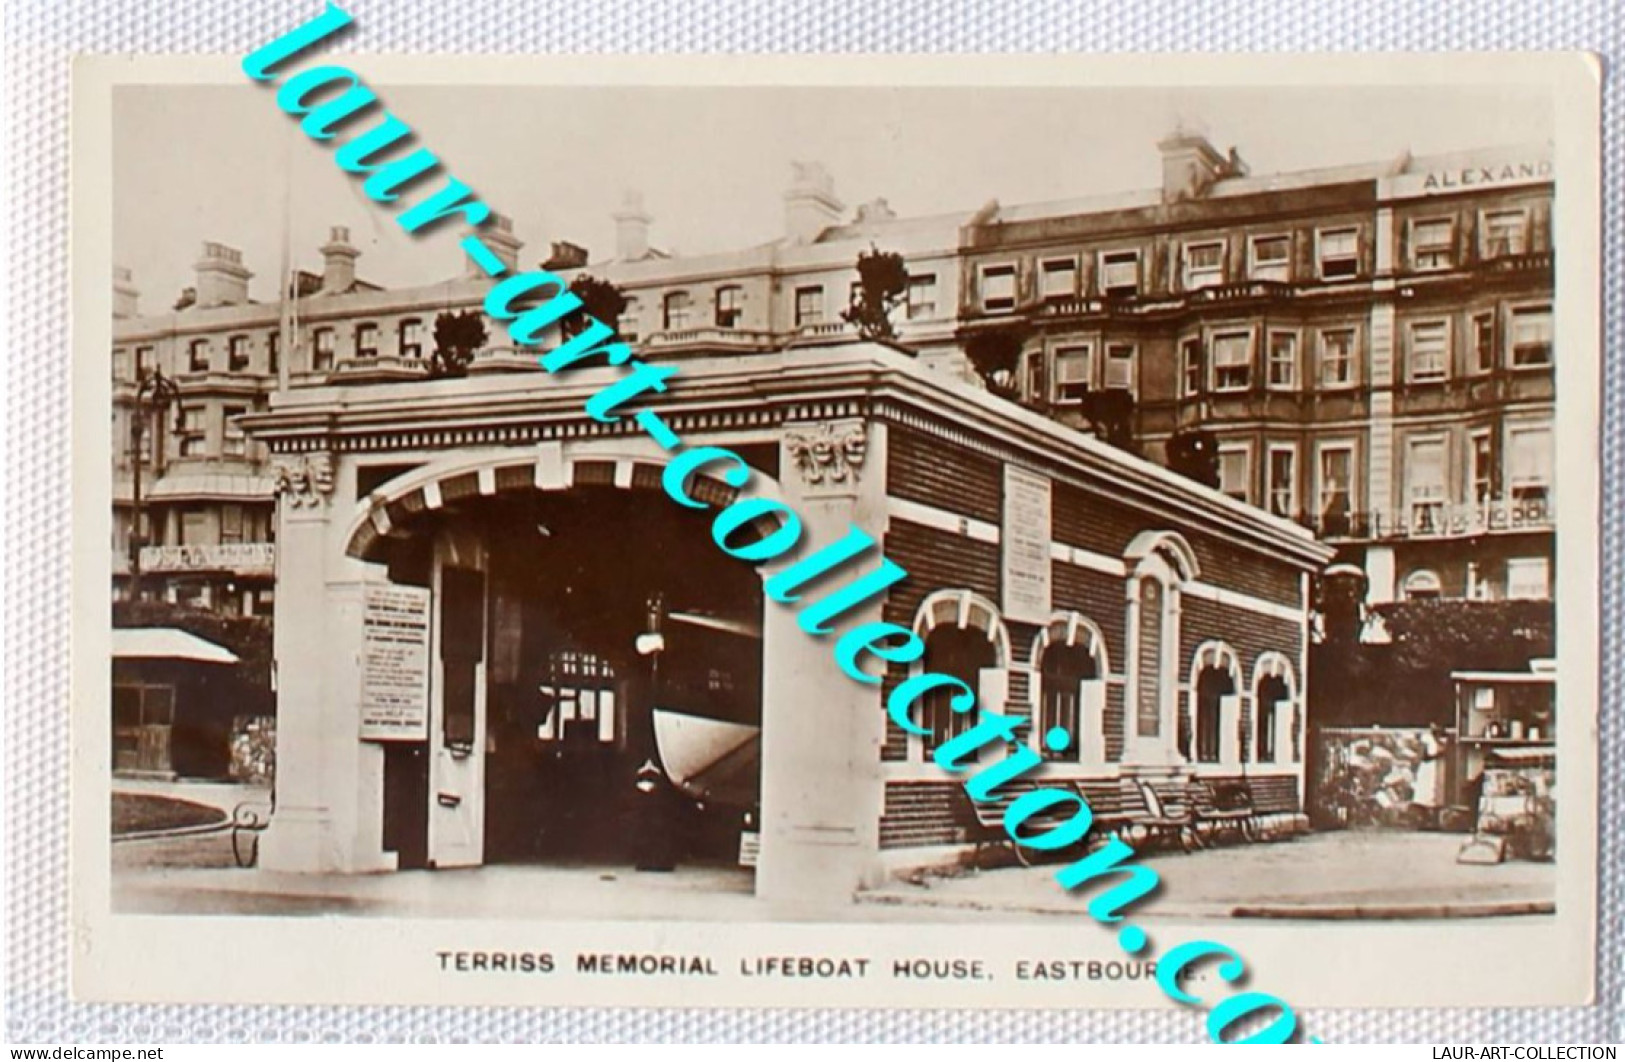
x,y
988,819
1164,813
1222,809
1127,807
1113,809
1276,797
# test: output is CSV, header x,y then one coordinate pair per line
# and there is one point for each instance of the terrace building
x,y
1371,345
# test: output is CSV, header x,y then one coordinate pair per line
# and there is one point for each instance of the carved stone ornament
x,y
306,480
828,454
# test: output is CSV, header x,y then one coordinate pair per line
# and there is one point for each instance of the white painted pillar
x,y
329,784
822,786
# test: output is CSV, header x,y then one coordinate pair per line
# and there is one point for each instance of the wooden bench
x,y
1163,813
1113,809
1218,812
988,819
1139,811
1276,796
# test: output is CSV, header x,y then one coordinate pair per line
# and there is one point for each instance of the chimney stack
x,y
499,238
221,278
125,294
1190,166
876,210
338,261
565,255
810,203
631,228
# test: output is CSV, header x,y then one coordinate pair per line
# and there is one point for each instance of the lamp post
x,y
153,393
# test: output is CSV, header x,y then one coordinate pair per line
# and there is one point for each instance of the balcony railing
x,y
825,330
241,558
1500,515
1528,262
712,336
1244,290
1238,291
1136,305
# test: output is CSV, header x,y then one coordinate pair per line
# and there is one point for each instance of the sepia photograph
x,y
1205,427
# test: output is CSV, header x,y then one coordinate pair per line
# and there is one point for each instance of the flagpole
x,y
288,289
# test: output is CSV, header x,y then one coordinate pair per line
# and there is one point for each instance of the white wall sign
x,y
395,664
1025,560
1509,173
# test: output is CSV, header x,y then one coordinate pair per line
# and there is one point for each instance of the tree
x,y
996,356
1111,416
600,299
1194,454
456,338
1404,680
882,284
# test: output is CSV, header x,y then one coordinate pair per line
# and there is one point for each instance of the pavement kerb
x,y
1302,911
179,831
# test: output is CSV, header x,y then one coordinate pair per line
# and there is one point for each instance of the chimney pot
x,y
498,237
125,293
221,278
1190,166
632,228
810,203
565,255
338,261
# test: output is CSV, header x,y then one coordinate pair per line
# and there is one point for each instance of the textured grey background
x,y
40,35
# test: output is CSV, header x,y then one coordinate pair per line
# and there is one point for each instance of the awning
x,y
210,485
1545,756
167,643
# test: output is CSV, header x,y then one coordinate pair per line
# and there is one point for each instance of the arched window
x,y
1212,686
679,309
964,637
962,652
1270,706
1275,705
1062,673
1422,584
1215,714
1069,656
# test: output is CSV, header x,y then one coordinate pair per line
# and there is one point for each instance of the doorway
x,y
546,682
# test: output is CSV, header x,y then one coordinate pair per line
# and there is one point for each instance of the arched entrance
x,y
566,617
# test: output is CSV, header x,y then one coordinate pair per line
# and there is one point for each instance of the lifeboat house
x,y
496,636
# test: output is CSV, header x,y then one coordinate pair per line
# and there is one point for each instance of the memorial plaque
x,y
395,664
1025,561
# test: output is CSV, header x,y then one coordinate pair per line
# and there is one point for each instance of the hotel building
x,y
1372,345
